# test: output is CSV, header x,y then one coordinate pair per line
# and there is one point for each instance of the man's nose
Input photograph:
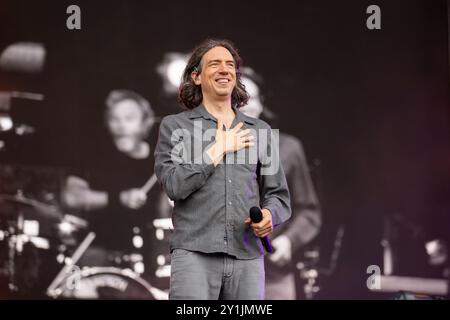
x,y
223,68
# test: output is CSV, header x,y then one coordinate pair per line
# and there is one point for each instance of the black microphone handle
x,y
256,216
266,244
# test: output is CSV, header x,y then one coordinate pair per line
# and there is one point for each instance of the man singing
x,y
216,248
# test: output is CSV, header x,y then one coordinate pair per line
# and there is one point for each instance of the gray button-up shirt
x,y
211,203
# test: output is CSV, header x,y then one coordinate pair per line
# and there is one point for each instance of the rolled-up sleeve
x,y
274,190
179,178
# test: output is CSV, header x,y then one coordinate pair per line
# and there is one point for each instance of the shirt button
x,y
229,203
229,180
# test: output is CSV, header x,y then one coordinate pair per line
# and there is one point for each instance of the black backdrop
x,y
370,106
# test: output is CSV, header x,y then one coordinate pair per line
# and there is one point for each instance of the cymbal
x,y
44,210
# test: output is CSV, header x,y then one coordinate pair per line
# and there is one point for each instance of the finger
x,y
266,221
261,225
257,226
266,227
246,138
139,206
249,138
243,133
238,126
136,200
265,234
131,205
248,144
260,233
247,221
142,196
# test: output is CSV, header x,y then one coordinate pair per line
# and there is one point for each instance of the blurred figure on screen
x,y
305,222
109,191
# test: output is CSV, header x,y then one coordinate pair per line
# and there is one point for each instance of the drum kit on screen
x,y
40,246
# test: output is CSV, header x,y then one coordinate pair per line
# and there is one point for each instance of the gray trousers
x,y
215,276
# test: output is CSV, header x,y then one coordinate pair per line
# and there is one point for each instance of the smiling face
x,y
218,74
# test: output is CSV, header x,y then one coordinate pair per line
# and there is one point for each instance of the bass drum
x,y
109,283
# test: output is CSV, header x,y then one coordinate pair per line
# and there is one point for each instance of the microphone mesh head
x,y
255,214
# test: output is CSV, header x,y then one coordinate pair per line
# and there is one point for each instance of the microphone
x,y
256,216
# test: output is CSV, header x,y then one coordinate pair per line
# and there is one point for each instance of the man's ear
x,y
196,77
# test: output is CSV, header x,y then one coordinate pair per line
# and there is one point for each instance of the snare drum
x,y
108,283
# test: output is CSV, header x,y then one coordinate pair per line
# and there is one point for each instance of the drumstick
x,y
65,271
149,184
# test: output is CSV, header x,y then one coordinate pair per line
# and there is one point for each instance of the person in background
x,y
305,222
110,190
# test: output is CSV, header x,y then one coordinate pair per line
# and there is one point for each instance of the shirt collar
x,y
201,111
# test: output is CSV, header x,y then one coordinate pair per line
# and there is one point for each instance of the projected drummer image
x,y
119,195
99,231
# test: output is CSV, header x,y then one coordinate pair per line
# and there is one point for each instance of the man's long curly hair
x,y
190,94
